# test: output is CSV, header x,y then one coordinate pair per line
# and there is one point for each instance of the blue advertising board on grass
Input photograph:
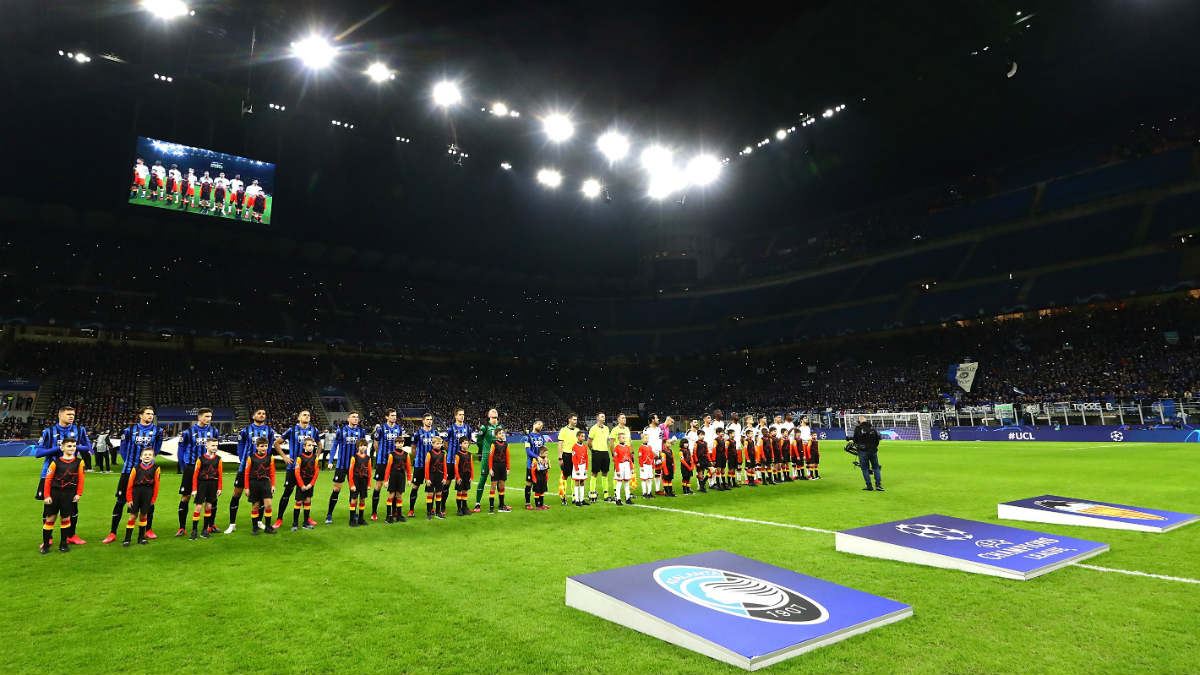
x,y
731,608
1089,513
967,545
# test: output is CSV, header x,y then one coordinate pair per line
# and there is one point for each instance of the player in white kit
x,y
141,175
159,175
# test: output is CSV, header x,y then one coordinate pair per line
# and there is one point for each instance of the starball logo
x,y
739,594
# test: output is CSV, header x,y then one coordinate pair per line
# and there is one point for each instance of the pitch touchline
x,y
817,529
1138,574
740,520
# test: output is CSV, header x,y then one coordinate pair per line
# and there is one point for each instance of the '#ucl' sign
x,y
1068,511
731,608
968,545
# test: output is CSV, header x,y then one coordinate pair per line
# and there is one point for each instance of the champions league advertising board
x,y
1090,513
731,608
968,545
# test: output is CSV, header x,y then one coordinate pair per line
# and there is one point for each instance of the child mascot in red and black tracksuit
x,y
61,489
464,471
435,481
668,470
260,479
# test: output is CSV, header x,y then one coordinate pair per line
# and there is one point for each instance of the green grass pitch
x,y
266,219
484,594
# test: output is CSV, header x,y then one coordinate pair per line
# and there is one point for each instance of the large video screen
x,y
186,179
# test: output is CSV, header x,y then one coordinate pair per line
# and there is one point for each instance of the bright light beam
x,y
591,188
613,145
379,72
558,127
166,9
314,51
549,177
446,93
656,158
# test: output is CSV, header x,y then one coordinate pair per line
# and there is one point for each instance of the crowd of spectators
x,y
1112,353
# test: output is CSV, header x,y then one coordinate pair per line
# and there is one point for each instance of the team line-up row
x,y
722,458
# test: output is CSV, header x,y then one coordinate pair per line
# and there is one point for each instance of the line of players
x,y
158,183
721,457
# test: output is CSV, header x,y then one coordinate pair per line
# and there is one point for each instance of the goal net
x,y
897,426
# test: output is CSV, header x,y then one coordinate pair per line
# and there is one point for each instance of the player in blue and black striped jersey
x,y
295,437
192,444
137,437
422,445
386,437
534,443
49,448
247,438
454,435
344,443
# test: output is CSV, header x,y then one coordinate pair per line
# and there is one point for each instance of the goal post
x,y
894,426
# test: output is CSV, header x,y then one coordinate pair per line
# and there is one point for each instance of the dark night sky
x,y
689,74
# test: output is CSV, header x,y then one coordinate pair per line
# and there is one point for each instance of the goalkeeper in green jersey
x,y
487,434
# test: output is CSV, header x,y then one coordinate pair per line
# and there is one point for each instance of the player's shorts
x,y
731,461
206,492
702,462
191,191
814,457
62,504
139,181
143,499
239,482
646,471
624,471
601,462
170,185
380,470
260,204
259,490
540,480
238,197
205,191
564,463
219,195
668,471
339,475
304,495
499,472
579,472
720,459
462,485
185,480
397,481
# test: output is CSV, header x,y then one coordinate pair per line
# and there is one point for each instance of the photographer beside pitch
x,y
864,442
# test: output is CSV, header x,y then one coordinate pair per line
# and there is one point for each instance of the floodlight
x,y
558,127
591,188
549,178
166,9
379,72
747,150
314,51
703,169
656,158
505,165
664,182
446,93
781,134
82,58
499,109
613,145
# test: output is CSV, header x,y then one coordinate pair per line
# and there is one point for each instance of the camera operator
x,y
866,446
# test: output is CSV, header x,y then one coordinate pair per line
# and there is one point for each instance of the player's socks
x,y
528,491
296,516
118,509
233,508
307,511
491,501
362,506
375,502
428,506
183,509
141,531
412,500
128,530
501,498
333,500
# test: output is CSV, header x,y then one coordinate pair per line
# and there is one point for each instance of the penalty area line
x,y
740,520
754,521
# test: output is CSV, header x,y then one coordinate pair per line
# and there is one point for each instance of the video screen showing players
x,y
197,180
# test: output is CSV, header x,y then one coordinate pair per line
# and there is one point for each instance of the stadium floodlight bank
x,y
897,426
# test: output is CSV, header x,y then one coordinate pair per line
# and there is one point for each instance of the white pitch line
x,y
1138,574
740,520
822,531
